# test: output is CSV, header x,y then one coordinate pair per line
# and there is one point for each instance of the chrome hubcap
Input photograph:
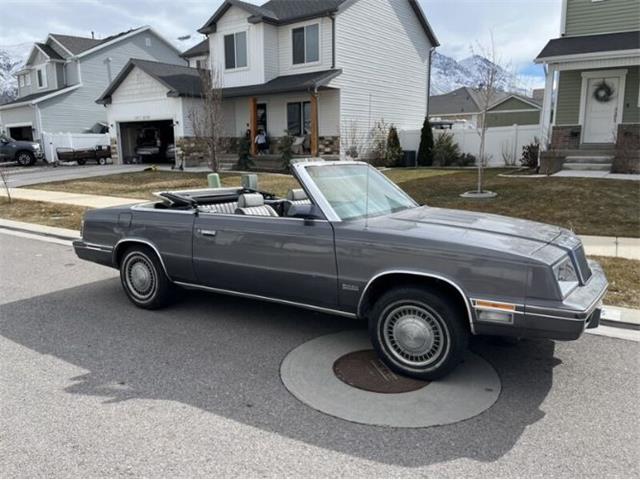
x,y
414,335
140,277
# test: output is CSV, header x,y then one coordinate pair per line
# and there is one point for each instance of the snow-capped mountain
x,y
449,74
12,59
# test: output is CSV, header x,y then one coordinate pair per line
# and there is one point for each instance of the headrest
x,y
296,194
247,200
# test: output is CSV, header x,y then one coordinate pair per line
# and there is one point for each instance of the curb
x,y
612,316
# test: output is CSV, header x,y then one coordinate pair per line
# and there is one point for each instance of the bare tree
x,y
4,177
493,74
207,119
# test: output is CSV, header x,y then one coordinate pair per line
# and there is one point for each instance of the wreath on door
x,y
603,92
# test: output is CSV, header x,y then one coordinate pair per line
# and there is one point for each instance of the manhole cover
x,y
364,370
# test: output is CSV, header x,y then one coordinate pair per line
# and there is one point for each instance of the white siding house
x,y
318,68
65,75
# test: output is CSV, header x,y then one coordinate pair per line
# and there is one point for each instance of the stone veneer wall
x,y
627,157
115,154
565,137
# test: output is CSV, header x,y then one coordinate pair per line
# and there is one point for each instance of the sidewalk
x,y
623,247
79,199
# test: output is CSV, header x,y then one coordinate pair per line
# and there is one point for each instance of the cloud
x,y
520,27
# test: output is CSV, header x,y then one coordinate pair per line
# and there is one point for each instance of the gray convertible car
x,y
350,242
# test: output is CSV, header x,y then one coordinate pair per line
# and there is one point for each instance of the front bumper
x,y
559,321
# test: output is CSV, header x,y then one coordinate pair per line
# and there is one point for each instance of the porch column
x,y
314,124
253,123
545,115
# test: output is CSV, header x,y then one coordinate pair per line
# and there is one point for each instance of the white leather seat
x,y
253,204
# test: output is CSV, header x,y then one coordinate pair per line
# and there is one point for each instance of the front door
x,y
601,109
281,258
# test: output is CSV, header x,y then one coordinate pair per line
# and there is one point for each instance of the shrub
x,y
530,154
244,153
425,151
286,149
445,150
465,160
394,150
379,138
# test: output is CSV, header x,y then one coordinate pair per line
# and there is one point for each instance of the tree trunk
x,y
483,132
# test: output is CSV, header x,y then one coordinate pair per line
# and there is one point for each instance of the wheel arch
x,y
125,243
383,281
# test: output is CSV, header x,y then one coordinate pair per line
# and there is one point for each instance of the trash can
x,y
409,158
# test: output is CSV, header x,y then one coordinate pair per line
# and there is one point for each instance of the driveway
x,y
24,176
92,386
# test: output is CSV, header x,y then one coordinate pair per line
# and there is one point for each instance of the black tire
x,y
144,280
418,332
81,162
25,158
102,161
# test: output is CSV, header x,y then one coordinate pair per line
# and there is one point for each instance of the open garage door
x,y
147,142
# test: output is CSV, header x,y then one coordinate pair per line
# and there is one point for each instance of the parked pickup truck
x,y
99,153
24,152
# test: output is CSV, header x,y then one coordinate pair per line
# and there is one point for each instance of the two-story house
x,y
322,70
65,74
198,55
592,94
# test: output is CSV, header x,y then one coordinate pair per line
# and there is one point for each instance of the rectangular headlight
x,y
566,276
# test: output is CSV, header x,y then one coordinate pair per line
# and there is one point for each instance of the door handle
x,y
208,233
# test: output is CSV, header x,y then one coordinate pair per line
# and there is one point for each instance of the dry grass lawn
x,y
624,281
42,213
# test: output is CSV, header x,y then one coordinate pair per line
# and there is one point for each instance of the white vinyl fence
x,y
500,142
51,141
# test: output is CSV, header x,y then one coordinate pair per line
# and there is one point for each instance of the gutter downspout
x,y
431,52
333,41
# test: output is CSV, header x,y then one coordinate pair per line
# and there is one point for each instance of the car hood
x,y
481,222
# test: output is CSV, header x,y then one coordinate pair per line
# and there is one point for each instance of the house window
x,y
147,41
235,50
21,80
27,79
198,63
306,44
299,118
42,79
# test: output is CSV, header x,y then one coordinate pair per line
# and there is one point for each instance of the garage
x,y
151,109
22,132
147,141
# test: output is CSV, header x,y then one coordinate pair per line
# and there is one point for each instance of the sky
x,y
520,27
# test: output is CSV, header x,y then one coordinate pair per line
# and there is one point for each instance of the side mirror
x,y
308,211
4,141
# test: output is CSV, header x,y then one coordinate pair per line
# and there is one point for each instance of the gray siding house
x,y
592,93
65,75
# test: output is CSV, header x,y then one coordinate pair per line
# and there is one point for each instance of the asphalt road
x,y
91,386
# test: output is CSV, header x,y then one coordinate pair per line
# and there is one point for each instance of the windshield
x,y
358,191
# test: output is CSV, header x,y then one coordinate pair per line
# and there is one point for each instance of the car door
x,y
283,258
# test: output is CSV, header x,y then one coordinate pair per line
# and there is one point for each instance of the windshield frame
x,y
299,170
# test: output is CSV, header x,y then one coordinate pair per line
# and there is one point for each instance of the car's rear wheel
x,y
25,158
144,280
82,161
418,333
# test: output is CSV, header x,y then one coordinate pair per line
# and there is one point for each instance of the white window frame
x,y
21,81
306,63
147,42
44,77
235,50
27,79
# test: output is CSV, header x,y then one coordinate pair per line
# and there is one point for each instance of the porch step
x,y
589,159
588,152
600,167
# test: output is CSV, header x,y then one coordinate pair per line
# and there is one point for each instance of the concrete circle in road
x,y
308,373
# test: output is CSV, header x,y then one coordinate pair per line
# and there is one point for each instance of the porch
x,y
303,107
591,108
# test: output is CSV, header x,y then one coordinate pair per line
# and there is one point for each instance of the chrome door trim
x,y
267,299
419,274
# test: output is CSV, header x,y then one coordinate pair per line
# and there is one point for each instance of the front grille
x,y
581,260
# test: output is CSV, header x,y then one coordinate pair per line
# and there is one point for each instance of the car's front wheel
x,y
144,280
25,158
418,332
